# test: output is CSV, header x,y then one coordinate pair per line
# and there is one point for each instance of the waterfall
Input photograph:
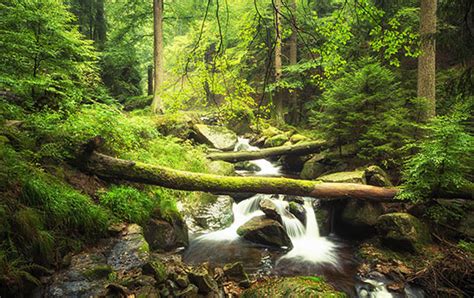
x,y
266,167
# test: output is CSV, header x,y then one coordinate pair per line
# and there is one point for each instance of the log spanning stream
x,y
311,254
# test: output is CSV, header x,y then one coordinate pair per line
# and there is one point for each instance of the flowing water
x,y
311,254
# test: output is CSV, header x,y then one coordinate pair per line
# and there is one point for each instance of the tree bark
x,y
427,60
278,97
157,104
113,168
298,149
150,80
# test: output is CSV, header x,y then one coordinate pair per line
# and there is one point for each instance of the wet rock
x,y
270,209
219,167
190,291
247,166
131,251
266,231
275,141
374,175
402,231
330,162
293,163
295,199
239,197
298,211
203,280
235,272
216,136
344,177
167,234
182,280
358,218
157,269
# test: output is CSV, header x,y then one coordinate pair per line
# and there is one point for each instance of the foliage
x,y
43,55
444,159
128,203
364,107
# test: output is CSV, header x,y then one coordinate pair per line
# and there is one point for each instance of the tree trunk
x,y
157,104
278,98
294,105
298,149
427,59
113,168
150,79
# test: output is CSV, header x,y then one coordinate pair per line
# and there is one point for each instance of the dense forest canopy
x,y
328,86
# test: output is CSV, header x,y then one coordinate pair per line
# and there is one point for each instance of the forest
x,y
236,148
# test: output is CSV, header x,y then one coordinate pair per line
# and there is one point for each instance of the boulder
x,y
216,136
296,138
301,286
344,177
298,211
270,209
156,269
271,132
402,231
266,231
247,166
275,141
201,277
358,218
374,175
219,167
293,163
166,235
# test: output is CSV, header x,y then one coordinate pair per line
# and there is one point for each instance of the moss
x,y
346,177
305,286
98,272
157,269
278,140
145,248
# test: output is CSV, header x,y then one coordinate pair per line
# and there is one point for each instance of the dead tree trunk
x,y
298,149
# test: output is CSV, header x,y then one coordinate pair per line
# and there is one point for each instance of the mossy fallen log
x,y
297,149
113,168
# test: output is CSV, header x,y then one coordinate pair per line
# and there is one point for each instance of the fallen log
x,y
297,149
109,167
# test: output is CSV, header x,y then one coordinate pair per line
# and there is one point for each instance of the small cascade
x,y
377,290
266,167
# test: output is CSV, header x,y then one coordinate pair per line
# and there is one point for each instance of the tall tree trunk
x,y
427,59
278,98
294,104
157,104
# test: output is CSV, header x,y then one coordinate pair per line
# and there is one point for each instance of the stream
x,y
312,254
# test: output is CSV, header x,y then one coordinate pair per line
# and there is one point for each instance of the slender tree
x,y
278,98
427,59
157,104
294,104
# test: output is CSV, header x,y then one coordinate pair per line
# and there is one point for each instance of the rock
x,y
239,197
301,286
203,280
235,272
296,138
293,163
182,280
344,177
166,235
330,162
270,209
313,167
131,251
374,175
271,132
247,166
298,211
402,231
323,217
190,291
157,269
178,124
219,167
295,199
358,218
98,272
265,231
216,136
275,141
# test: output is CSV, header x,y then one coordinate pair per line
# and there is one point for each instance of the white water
x,y
308,246
379,290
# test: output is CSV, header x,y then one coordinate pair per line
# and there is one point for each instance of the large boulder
x,y
345,177
266,231
293,163
166,234
298,211
219,167
270,209
374,175
358,218
402,231
247,166
178,124
216,136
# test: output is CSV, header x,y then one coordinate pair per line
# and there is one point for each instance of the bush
x,y
444,159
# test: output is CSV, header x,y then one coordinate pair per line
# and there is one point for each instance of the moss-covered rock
x,y
270,209
247,166
310,286
271,132
98,272
216,136
177,124
201,277
266,231
157,269
358,218
296,138
219,167
374,175
345,177
166,234
402,231
235,272
278,140
298,211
